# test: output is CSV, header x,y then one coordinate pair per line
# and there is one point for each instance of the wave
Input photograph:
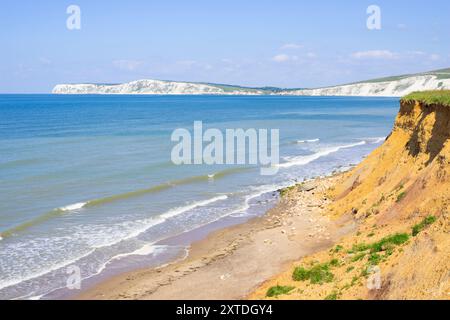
x,y
180,210
145,250
123,196
259,191
377,139
308,141
303,160
75,206
146,224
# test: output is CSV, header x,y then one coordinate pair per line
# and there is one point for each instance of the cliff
x,y
154,87
389,88
399,199
384,87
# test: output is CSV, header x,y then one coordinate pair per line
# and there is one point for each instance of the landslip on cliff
x,y
399,196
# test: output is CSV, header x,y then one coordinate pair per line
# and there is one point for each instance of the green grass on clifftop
x,y
430,97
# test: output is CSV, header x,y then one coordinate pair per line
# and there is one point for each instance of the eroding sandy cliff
x,y
400,198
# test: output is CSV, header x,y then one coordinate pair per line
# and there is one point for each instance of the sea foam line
x,y
308,141
75,206
303,160
146,225
101,201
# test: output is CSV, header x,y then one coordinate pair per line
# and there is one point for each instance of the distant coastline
x,y
395,86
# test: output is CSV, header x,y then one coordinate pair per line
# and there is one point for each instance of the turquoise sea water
x,y
88,181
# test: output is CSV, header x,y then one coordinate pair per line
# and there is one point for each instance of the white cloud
x,y
311,55
401,26
416,53
129,65
291,46
374,54
281,58
435,57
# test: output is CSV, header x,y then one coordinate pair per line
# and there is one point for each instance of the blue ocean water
x,y
88,180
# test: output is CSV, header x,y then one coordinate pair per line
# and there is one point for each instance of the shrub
x,y
300,274
277,290
389,241
332,296
374,258
424,223
318,274
334,262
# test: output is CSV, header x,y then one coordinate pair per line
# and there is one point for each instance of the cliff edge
x,y
399,198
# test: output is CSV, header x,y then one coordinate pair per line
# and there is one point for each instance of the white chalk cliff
x,y
386,87
395,88
151,87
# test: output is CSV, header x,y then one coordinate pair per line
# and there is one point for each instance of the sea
x,y
88,188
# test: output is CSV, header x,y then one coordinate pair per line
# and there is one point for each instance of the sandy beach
x,y
232,262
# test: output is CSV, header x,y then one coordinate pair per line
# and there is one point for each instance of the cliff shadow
x,y
439,133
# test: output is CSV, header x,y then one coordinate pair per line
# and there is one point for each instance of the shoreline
x,y
236,255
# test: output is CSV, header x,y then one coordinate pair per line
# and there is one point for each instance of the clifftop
x,y
399,198
429,97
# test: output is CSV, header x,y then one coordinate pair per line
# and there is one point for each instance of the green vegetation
x,y
332,296
424,223
374,258
334,263
285,191
359,256
318,274
386,244
400,196
359,247
277,290
389,241
430,97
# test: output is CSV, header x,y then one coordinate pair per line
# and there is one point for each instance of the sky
x,y
284,43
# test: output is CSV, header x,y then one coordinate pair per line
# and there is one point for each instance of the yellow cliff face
x,y
400,197
408,173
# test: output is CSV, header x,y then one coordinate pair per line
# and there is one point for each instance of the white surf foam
x,y
145,250
259,191
180,210
378,139
45,271
146,224
308,141
303,160
74,206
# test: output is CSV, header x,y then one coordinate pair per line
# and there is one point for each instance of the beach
x,y
230,263
119,203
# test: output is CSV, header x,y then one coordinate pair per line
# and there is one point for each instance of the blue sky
x,y
287,43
